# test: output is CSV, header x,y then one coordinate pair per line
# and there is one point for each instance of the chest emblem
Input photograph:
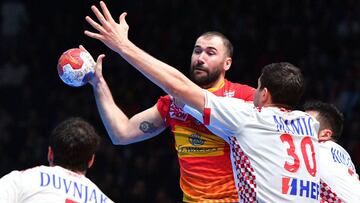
x,y
196,140
177,113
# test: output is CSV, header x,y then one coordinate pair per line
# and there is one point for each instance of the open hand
x,y
111,33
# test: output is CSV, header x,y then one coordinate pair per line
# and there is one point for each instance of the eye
x,y
197,51
210,53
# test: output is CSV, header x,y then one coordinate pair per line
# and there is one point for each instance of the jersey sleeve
x,y
222,115
163,106
8,187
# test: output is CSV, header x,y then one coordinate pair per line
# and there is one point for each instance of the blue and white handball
x,y
76,67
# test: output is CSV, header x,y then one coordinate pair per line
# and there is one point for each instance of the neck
x,y
80,172
278,106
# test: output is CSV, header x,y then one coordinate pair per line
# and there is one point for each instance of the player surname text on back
x,y
298,126
72,188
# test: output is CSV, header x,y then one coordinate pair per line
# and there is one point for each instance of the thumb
x,y
95,78
99,60
122,19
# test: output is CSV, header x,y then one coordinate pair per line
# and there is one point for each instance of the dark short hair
x,y
285,83
74,141
329,117
229,47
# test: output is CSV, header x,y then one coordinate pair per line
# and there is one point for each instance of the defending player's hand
x,y
111,33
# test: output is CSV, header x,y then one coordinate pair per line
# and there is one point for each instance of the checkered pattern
x,y
246,184
328,196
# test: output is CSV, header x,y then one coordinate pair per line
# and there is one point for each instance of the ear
x,y
325,135
265,97
91,161
50,156
227,63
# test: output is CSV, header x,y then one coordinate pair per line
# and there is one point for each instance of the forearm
x,y
166,77
120,128
113,118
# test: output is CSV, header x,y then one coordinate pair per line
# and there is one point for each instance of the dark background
x,y
321,37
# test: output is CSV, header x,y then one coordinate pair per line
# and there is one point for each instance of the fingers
x,y
107,31
82,48
99,15
95,25
94,35
106,12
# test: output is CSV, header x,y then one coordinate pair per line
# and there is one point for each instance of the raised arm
x,y
115,36
120,128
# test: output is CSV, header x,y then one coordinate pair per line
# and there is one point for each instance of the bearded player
x,y
204,158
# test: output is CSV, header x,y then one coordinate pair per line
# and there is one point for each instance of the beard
x,y
205,79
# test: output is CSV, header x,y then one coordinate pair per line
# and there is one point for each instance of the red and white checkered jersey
x,y
274,151
45,184
338,174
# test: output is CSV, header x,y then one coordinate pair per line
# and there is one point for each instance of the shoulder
x,y
164,100
238,85
335,151
228,104
16,177
163,105
333,145
240,91
11,175
26,171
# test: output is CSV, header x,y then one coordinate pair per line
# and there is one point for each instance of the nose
x,y
201,58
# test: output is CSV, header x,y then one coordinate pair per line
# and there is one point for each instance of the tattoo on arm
x,y
147,127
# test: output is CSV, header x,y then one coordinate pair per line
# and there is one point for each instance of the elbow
x,y
189,94
175,84
178,89
119,141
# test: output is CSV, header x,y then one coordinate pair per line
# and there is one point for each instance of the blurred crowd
x,y
321,37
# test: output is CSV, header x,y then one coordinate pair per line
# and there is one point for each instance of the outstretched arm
x,y
120,128
115,36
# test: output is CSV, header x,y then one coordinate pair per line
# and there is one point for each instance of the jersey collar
x,y
219,85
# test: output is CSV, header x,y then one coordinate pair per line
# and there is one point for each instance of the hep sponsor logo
x,y
302,188
196,140
177,113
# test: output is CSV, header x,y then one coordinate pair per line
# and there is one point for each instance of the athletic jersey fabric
x,y
204,159
49,184
274,152
338,174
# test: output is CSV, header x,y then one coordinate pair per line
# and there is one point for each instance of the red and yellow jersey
x,y
205,167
